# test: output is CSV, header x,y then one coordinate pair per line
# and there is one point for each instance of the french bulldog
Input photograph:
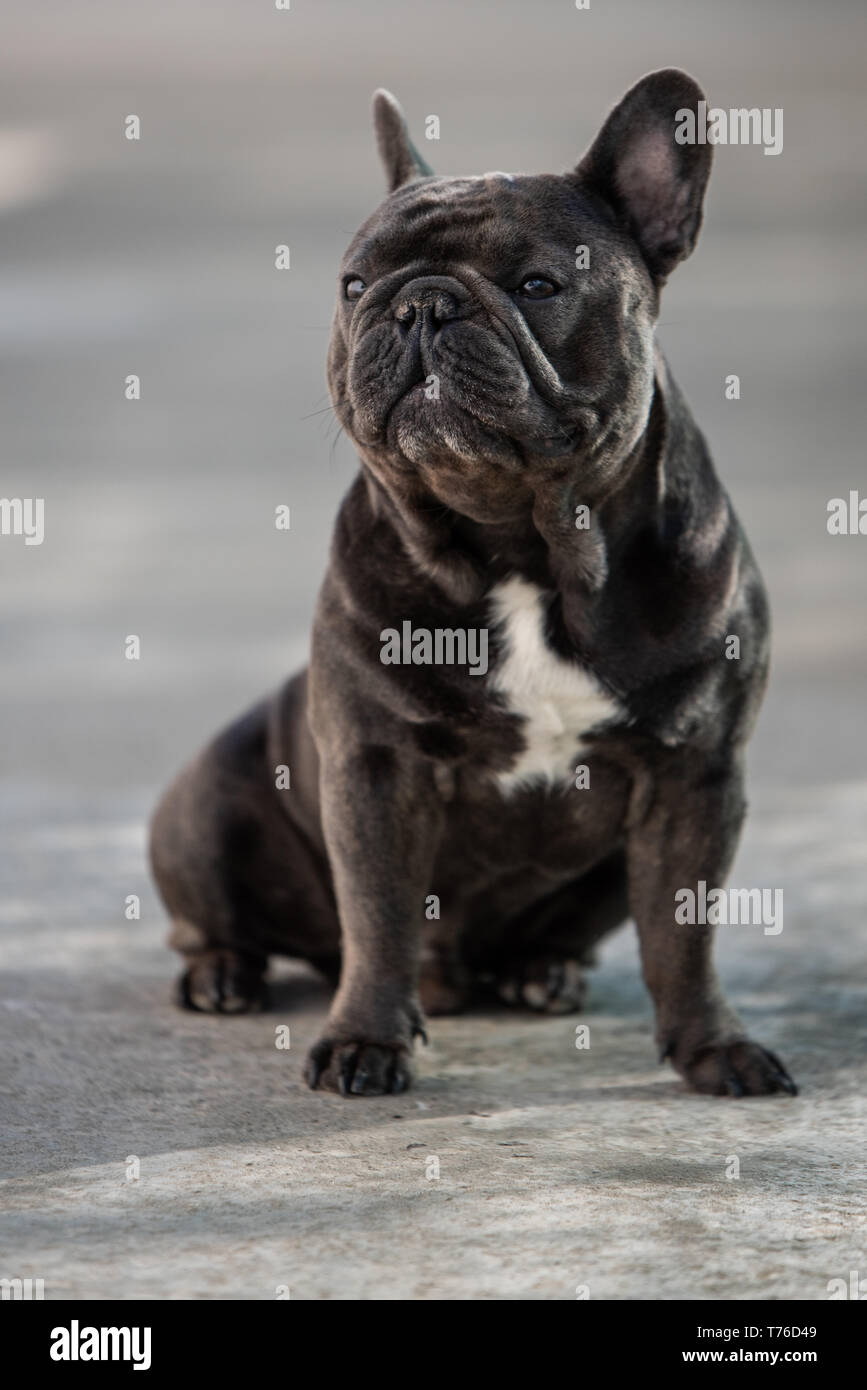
x,y
520,725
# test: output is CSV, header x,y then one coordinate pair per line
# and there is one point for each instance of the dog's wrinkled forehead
x,y
503,220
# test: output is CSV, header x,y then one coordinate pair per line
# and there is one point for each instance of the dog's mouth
x,y
421,424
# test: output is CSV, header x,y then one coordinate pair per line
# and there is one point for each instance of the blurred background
x,y
156,257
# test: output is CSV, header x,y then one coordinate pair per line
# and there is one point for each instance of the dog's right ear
x,y
400,159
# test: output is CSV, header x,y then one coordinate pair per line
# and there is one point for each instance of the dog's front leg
x,y
685,833
382,820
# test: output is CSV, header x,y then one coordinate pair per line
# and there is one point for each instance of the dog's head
x,y
488,329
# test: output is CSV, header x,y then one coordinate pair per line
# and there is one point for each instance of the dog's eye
x,y
534,287
354,289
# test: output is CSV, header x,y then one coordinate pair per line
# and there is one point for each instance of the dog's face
x,y
492,329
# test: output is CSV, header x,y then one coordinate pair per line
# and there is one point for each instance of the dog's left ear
x,y
654,183
400,159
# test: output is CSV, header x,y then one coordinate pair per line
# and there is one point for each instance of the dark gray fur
x,y
545,405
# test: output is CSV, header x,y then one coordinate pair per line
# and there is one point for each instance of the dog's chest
x,y
558,702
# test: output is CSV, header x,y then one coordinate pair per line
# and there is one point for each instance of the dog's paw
x,y
548,985
222,982
366,1055
736,1068
358,1068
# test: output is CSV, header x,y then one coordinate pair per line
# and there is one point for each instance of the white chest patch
x,y
556,699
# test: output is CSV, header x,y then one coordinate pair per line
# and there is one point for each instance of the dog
x,y
532,484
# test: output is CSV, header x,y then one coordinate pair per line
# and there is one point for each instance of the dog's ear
x,y
654,183
400,159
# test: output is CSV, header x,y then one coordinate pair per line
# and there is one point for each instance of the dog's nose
x,y
438,304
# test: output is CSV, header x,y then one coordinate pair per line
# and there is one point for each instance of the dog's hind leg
x,y
546,950
240,879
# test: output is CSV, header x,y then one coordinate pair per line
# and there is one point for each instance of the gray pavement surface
x,y
558,1167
